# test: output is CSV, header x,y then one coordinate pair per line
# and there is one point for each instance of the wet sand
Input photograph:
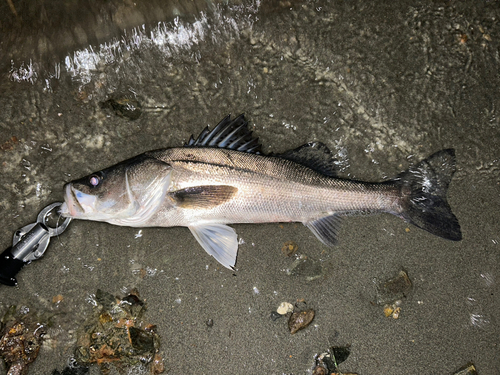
x,y
382,86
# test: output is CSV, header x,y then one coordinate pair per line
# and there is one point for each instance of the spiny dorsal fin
x,y
229,134
314,155
203,196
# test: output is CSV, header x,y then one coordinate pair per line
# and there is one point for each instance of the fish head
x,y
127,193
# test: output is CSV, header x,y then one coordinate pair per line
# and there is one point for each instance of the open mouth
x,y
71,206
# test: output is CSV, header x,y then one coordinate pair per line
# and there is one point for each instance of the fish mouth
x,y
71,206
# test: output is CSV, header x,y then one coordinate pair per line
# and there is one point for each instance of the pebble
x,y
285,308
300,320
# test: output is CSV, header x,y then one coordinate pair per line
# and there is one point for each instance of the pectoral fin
x,y
219,240
203,196
325,229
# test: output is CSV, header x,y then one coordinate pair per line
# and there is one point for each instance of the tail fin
x,y
424,188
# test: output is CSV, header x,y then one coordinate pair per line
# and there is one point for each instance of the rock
x,y
285,308
300,320
124,106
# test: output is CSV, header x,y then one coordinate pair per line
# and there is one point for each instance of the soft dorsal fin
x,y
314,155
229,134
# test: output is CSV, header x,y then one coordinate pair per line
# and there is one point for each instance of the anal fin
x,y
325,228
218,240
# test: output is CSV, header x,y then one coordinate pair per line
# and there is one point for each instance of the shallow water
x,y
383,86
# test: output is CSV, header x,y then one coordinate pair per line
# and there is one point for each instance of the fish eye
x,y
94,180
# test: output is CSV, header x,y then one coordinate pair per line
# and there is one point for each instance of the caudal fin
x,y
424,188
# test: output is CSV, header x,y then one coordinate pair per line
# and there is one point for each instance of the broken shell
x,y
117,336
57,299
468,369
320,370
289,248
20,339
393,309
396,312
388,310
285,308
300,320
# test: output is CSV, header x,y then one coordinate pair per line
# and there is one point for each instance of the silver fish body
x,y
220,178
258,189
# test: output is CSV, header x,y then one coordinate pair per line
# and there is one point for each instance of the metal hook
x,y
42,218
28,244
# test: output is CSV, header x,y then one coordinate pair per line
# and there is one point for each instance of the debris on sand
x,y
124,106
390,293
327,363
20,340
305,267
393,309
117,336
284,308
468,369
394,289
289,248
300,320
300,316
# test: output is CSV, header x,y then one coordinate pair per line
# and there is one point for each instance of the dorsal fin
x,y
314,155
229,134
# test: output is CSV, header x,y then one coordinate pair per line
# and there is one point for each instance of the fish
x,y
222,177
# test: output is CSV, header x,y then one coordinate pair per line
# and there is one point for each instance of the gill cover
x,y
128,193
